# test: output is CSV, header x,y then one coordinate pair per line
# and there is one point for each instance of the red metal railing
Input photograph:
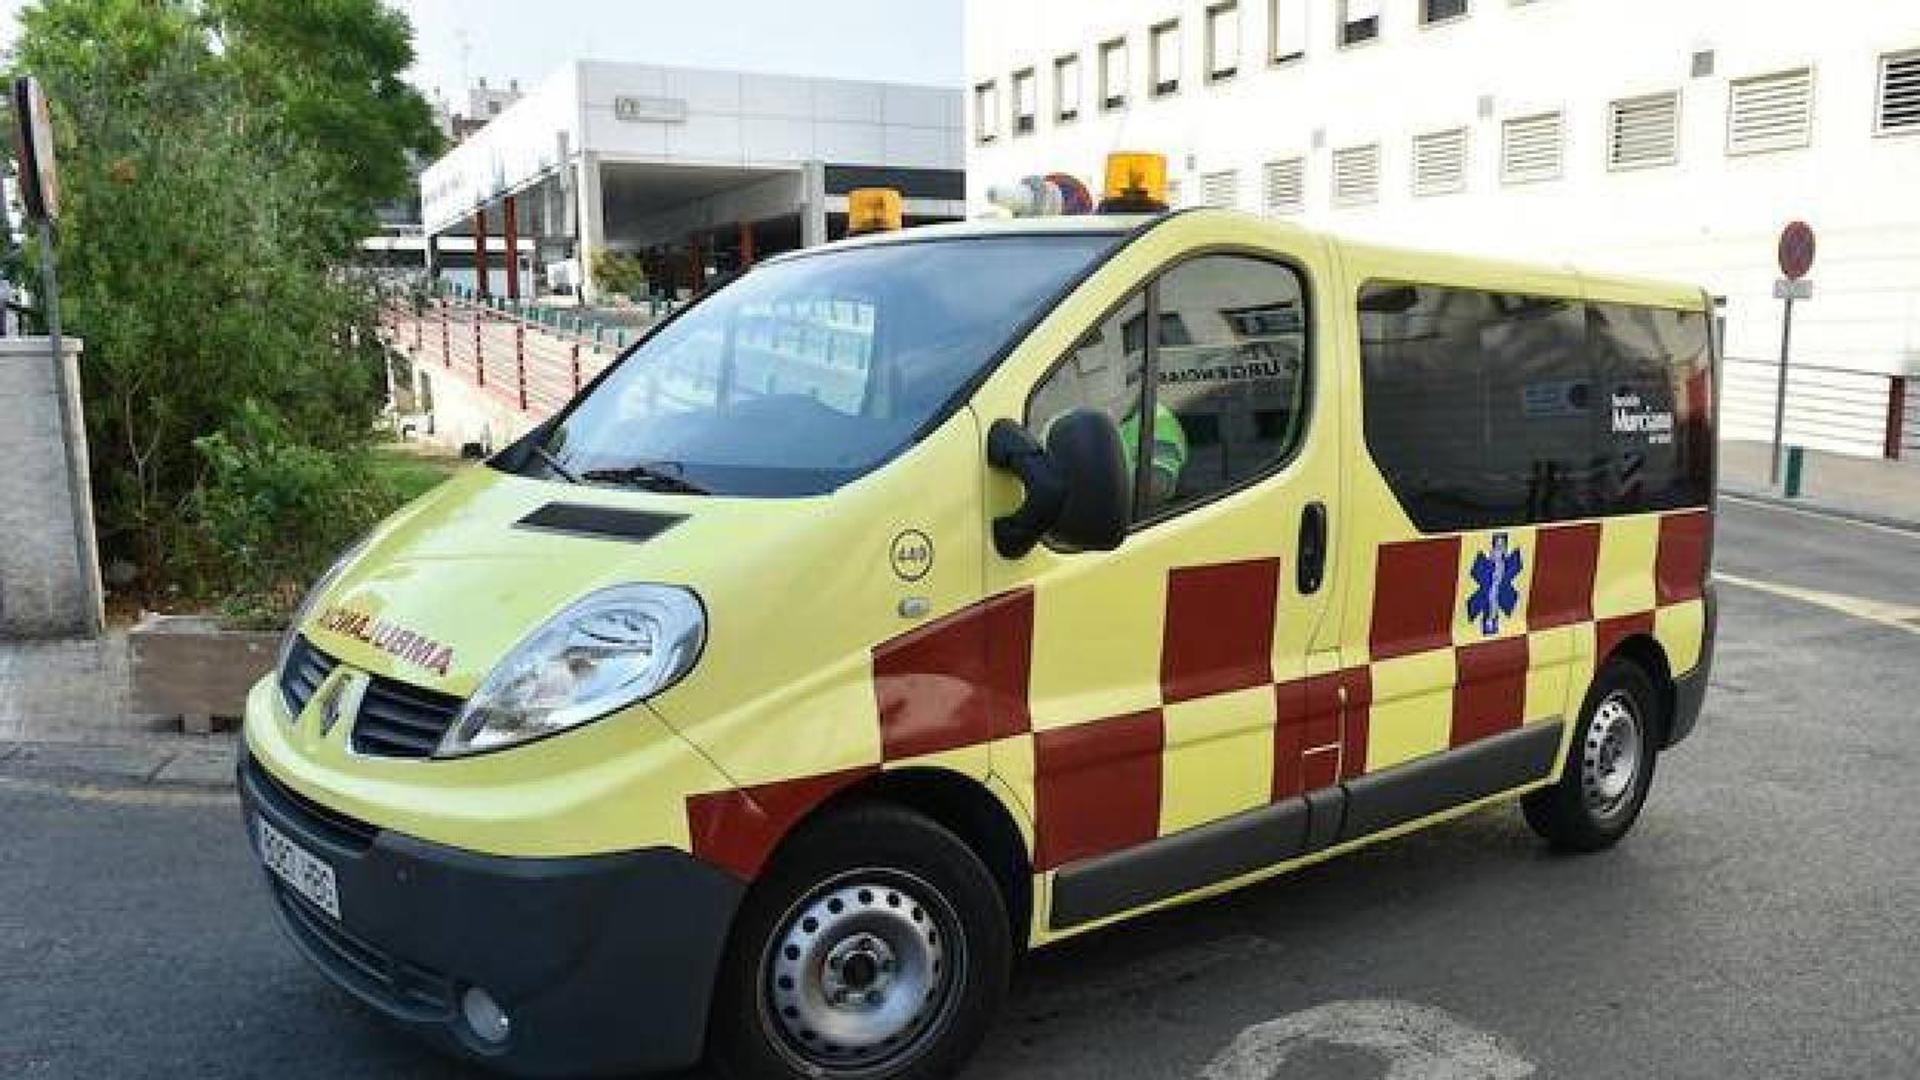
x,y
528,364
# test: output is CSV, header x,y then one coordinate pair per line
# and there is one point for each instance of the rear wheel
x,y
877,947
1609,766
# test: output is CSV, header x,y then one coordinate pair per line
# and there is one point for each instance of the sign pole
x,y
1795,254
1780,397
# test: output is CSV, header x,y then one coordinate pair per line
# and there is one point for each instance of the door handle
x,y
1311,568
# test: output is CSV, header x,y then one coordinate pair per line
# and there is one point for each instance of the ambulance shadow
x,y
1413,918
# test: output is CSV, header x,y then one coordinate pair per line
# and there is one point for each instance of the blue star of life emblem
x,y
1496,579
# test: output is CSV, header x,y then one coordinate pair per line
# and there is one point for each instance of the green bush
x,y
273,513
616,273
219,161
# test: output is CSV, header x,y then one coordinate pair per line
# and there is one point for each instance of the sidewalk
x,y
1865,489
64,716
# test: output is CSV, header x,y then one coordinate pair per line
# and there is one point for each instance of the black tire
x,y
1581,812
885,864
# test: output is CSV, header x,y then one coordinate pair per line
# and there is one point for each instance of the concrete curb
x,y
1768,498
207,767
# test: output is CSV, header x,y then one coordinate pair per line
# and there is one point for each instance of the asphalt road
x,y
1758,923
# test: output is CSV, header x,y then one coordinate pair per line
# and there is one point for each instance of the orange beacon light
x,y
1136,184
872,210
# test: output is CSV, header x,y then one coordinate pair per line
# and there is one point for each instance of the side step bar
x,y
1256,839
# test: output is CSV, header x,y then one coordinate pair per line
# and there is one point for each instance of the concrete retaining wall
x,y
49,564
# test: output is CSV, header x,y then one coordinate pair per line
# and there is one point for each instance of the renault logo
x,y
341,699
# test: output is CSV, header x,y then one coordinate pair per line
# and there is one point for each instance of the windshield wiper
x,y
546,458
649,477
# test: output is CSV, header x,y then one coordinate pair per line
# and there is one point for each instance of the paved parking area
x,y
1757,924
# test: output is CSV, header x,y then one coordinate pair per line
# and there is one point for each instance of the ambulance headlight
x,y
609,650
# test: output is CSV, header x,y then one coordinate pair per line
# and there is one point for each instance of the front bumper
x,y
602,963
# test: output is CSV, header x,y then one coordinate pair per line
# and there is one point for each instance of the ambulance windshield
x,y
807,373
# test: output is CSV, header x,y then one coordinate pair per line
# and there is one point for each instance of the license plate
x,y
305,873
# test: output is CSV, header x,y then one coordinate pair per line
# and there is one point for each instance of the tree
x,y
329,72
324,73
201,246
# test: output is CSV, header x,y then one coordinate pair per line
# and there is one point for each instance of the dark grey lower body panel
x,y
1690,690
1251,841
1404,793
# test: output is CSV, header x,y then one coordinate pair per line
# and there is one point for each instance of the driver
x,y
1169,457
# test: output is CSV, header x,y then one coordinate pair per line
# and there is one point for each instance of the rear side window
x,y
1655,368
1490,408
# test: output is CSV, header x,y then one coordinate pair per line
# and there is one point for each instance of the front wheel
x,y
876,948
1609,766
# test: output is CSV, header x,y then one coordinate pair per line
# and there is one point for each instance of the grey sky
x,y
914,41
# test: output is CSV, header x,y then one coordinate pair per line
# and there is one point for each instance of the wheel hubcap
x,y
1610,758
859,969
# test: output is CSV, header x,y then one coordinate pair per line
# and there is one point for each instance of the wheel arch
x,y
1645,652
971,811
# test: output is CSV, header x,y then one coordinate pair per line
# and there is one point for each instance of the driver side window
x,y
1227,391
1103,372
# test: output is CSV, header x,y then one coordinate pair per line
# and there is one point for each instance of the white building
x,y
694,171
1665,137
486,102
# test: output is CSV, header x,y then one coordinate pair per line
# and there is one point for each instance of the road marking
x,y
1763,504
1897,616
120,796
1414,1042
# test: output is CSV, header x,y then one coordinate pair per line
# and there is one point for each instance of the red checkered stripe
x,y
963,681
1415,600
957,682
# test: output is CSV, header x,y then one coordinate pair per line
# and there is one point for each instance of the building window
x,y
1356,175
1176,195
1113,74
1165,58
1533,148
1439,11
1066,89
1284,190
1223,41
986,112
1286,30
1899,111
1026,101
1770,112
1440,162
1644,132
1359,21
1220,188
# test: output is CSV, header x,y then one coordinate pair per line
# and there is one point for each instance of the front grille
x,y
403,990
306,669
397,720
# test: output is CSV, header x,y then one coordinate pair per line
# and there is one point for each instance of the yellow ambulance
x,y
933,595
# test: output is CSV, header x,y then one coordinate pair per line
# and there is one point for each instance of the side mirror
x,y
1077,488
